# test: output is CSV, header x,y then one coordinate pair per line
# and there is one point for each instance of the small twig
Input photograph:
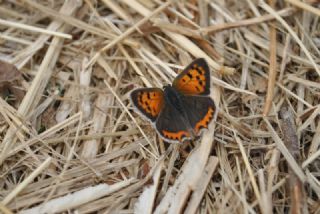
x,y
178,29
265,195
243,23
305,6
272,67
284,150
34,29
80,197
291,141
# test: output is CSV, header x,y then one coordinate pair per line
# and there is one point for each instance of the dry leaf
x,y
10,81
8,72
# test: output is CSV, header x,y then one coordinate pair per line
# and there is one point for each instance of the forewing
x,y
200,110
171,126
148,101
194,79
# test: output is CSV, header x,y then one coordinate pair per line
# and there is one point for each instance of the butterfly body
x,y
181,110
173,98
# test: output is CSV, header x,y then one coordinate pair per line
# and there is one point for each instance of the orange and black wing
x,y
148,101
194,79
171,126
200,111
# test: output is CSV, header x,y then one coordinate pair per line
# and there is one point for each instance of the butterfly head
x,y
165,87
169,91
171,95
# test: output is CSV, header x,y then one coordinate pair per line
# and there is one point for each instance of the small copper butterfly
x,y
181,110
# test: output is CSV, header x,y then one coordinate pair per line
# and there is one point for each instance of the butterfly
x,y
179,111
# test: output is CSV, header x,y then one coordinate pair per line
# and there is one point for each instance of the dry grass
x,y
72,142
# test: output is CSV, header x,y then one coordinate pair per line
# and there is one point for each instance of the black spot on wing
x,y
197,69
